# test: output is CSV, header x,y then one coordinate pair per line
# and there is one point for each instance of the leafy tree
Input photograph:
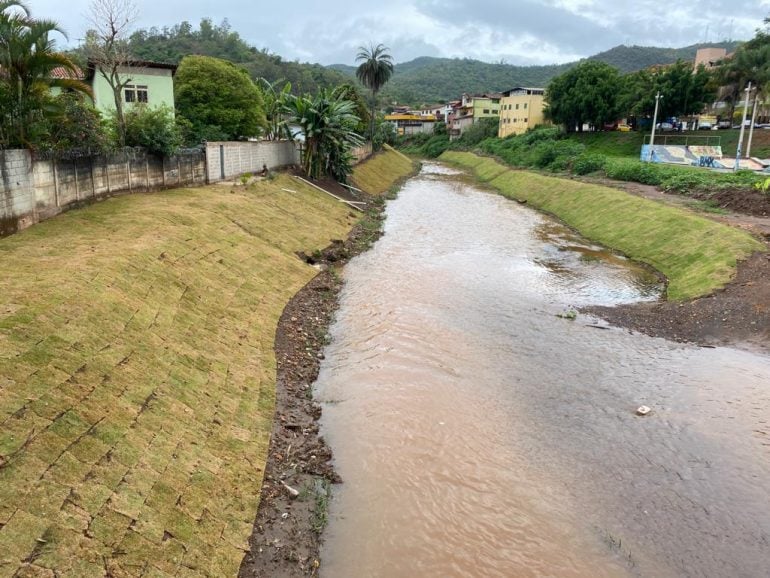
x,y
586,94
374,72
107,47
153,128
219,99
684,90
327,122
750,63
483,129
28,58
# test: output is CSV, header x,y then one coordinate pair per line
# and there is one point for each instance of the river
x,y
480,431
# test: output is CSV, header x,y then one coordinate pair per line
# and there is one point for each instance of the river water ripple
x,y
479,434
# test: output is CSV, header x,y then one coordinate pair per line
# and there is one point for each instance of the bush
x,y
153,128
588,163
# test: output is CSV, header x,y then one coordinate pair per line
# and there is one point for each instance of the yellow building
x,y
520,109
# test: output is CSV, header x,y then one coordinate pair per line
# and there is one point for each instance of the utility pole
x,y
654,122
751,126
743,128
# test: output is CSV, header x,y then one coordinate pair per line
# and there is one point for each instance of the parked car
x,y
723,124
664,126
624,128
705,126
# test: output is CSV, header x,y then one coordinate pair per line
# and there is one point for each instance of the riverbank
x,y
298,476
138,375
698,257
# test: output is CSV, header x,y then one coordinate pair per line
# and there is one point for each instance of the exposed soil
x,y
738,315
296,487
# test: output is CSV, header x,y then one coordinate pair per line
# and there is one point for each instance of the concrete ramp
x,y
691,155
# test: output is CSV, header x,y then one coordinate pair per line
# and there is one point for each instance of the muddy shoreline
x,y
292,512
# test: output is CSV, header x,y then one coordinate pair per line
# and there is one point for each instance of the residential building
x,y
709,57
412,123
521,108
470,109
151,83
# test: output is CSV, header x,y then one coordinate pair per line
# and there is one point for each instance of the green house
x,y
150,83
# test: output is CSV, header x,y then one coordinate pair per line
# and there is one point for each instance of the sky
x,y
513,31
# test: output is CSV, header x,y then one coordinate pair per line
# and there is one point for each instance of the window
x,y
525,105
486,111
134,93
517,106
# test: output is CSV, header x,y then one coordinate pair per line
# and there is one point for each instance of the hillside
x,y
428,79
220,41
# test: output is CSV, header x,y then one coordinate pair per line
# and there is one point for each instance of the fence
x,y
37,189
226,160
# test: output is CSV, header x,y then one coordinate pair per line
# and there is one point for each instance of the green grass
x,y
696,255
377,175
137,376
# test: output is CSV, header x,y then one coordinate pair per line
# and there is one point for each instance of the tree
x,y
219,99
108,49
374,72
685,91
327,122
586,94
274,100
750,63
28,59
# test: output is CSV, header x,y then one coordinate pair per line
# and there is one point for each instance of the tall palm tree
x,y
374,72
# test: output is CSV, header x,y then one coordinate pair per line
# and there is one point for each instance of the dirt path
x,y
738,315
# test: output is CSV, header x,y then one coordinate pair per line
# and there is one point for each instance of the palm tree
x,y
28,60
374,71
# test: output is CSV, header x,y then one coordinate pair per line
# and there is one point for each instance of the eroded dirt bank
x,y
738,315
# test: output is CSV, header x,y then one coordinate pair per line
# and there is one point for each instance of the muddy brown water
x,y
479,434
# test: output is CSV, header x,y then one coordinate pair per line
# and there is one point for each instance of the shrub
x,y
153,128
588,163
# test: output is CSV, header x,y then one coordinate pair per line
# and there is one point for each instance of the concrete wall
x,y
247,157
34,190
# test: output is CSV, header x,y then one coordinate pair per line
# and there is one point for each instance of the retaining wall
x,y
227,160
35,189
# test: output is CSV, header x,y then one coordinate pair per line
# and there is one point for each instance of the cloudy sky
x,y
514,31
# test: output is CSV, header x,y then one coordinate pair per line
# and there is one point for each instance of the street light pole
x,y
743,128
751,125
654,122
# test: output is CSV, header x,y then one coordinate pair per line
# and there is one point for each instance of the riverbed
x,y
482,428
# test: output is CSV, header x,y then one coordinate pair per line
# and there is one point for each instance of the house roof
x,y
64,73
529,89
137,64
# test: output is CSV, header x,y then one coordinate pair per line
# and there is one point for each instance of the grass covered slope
x,y
137,376
377,174
697,255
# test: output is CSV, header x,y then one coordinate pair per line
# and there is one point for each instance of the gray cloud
x,y
519,32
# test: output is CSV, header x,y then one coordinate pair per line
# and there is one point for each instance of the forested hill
x,y
174,43
427,80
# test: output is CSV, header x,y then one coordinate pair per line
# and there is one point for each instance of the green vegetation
x,y
696,255
27,58
138,374
584,94
374,72
377,175
153,128
220,41
218,99
328,123
429,80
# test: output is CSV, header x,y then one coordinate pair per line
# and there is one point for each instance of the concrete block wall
x,y
17,202
247,157
34,190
